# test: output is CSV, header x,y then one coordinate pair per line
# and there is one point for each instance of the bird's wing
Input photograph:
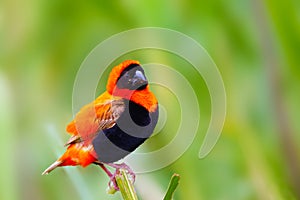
x,y
98,115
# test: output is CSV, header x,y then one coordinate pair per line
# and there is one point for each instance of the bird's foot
x,y
112,184
125,167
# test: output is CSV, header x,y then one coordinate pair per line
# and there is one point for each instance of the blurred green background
x,y
255,44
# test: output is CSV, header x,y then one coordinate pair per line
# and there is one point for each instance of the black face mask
x,y
132,78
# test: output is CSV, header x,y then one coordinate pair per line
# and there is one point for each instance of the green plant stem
x,y
172,187
125,186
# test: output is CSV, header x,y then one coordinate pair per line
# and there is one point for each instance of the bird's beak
x,y
139,79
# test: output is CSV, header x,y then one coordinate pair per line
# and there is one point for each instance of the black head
x,y
132,78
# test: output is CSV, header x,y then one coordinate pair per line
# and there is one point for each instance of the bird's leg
x,y
123,166
112,182
105,170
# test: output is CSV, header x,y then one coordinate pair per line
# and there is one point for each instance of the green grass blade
x,y
125,186
172,187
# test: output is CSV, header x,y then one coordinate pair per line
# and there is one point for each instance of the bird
x,y
114,124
